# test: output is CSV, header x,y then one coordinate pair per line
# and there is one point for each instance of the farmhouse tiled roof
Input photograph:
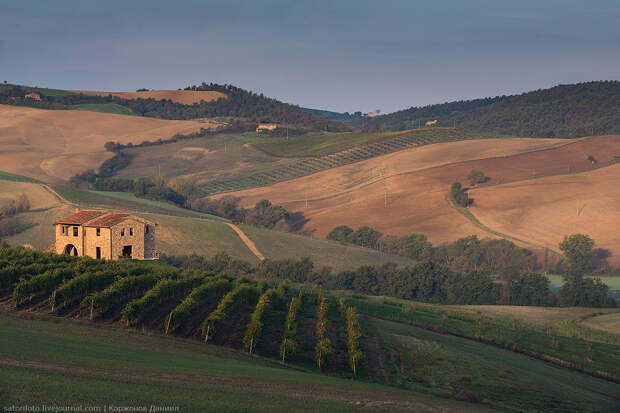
x,y
108,220
81,217
103,219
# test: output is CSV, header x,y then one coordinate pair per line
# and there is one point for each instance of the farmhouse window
x,y
122,232
130,231
64,229
98,232
146,229
75,231
98,252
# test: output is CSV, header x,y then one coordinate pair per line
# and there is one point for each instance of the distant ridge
x,y
582,109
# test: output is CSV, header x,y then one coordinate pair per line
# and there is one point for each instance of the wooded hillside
x,y
581,109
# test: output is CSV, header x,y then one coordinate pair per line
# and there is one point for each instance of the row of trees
x,y
354,333
264,214
289,338
438,283
323,348
186,303
497,256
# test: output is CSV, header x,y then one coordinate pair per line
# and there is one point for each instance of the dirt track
x,y
247,241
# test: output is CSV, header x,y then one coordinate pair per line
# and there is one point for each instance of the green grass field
x,y
607,322
321,144
103,107
563,339
338,256
61,362
452,365
5,176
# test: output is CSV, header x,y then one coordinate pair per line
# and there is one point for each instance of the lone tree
x,y
459,195
476,177
579,252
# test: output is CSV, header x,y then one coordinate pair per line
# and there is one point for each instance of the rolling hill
x,y
180,231
407,191
544,210
574,110
53,145
355,194
417,355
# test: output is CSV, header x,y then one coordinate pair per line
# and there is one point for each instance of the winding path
x,y
247,241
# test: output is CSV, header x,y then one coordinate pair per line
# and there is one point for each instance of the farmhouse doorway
x,y
127,251
71,250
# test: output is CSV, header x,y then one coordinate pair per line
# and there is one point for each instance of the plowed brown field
x,y
53,145
186,97
544,210
407,191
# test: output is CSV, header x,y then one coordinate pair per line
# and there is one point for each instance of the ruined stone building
x,y
106,235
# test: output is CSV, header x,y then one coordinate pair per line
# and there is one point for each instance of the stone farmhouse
x,y
263,127
106,235
34,96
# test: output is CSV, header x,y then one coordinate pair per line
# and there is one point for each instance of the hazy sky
x,y
338,55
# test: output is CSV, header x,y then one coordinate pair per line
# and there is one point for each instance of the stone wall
x,y
121,235
102,241
62,240
149,242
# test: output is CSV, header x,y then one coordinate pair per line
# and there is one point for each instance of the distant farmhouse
x,y
106,235
263,127
33,96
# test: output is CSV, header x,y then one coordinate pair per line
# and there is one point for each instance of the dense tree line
x,y
238,103
563,111
264,214
438,283
496,256
580,259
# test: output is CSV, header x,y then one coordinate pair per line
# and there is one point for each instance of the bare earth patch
x,y
186,97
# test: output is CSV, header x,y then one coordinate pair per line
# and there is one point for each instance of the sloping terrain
x,y
186,97
180,231
94,366
544,210
397,194
574,110
53,145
